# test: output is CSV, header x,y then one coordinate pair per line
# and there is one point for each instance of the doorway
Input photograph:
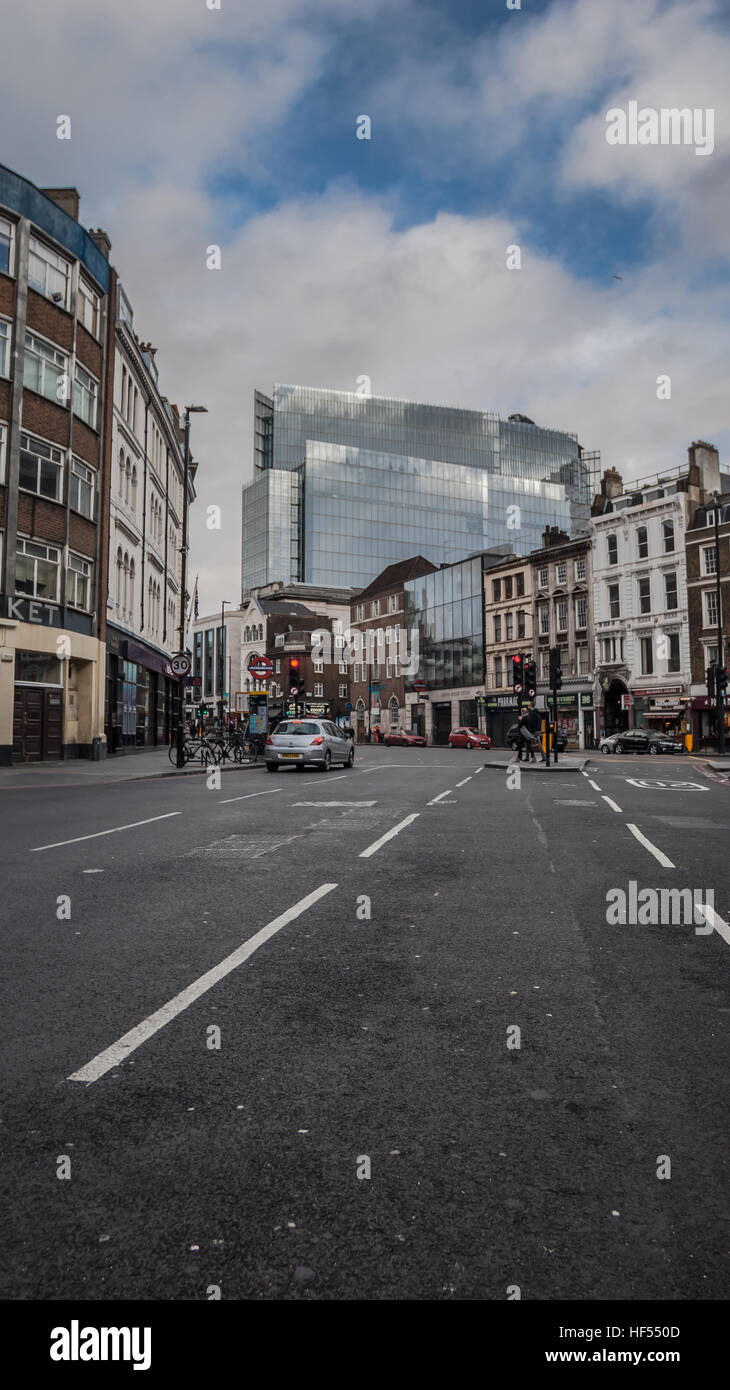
x,y
441,722
37,723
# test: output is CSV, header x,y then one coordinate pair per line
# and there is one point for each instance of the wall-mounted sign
x,y
30,610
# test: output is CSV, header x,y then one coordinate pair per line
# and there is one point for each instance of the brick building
x,y
563,618
379,642
508,632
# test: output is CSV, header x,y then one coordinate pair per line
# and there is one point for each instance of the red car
x,y
405,738
469,738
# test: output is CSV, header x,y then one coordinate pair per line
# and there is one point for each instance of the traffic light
x,y
710,678
518,675
722,679
556,673
530,678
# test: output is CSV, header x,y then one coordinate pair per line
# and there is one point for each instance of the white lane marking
x,y
115,829
665,863
365,854
92,871
668,786
594,785
335,803
439,797
248,796
463,784
478,769
612,804
112,1056
720,925
583,773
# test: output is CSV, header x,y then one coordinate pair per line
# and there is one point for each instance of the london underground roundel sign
x,y
260,666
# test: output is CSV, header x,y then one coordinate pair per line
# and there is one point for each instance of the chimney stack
x,y
706,459
102,241
65,198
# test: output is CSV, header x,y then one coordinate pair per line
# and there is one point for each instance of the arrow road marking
x,y
121,1049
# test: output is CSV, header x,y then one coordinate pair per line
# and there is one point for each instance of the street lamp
x,y
189,410
225,603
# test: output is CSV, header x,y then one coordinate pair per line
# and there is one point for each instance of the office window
x,y
542,577
48,273
4,347
642,543
708,559
581,611
318,668
81,488
647,656
497,671
710,600
521,622
7,230
44,368
645,595
561,573
3,450
508,586
509,626
668,534
673,660
318,690
670,590
498,627
87,308
343,691
520,582
36,570
561,615
543,619
41,467
612,549
78,582
581,658
614,603
579,568
496,590
86,392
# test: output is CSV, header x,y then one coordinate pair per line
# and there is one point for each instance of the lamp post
x,y
719,692
189,410
225,603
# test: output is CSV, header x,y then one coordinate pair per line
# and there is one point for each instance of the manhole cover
x,y
574,803
240,847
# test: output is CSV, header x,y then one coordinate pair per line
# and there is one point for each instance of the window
x,y
4,348
392,603
6,246
87,308
388,669
81,488
342,668
670,590
642,543
375,608
496,590
561,573
710,597
356,671
673,659
86,391
497,627
520,582
612,549
48,273
318,668
509,626
645,595
542,578
581,611
3,447
561,615
376,671
41,467
78,582
497,671
44,367
708,560
647,656
508,586
668,534
614,602
521,622
543,619
278,665
318,690
581,658
579,568
36,570
544,663
360,611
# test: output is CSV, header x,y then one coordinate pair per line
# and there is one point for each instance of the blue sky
x,y
343,257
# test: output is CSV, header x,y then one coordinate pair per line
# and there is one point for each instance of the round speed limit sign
x,y
180,664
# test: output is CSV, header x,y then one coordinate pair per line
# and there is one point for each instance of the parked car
x,y
640,741
469,738
308,742
405,738
560,741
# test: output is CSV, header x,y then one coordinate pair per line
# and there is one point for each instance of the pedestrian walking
x,y
534,720
527,739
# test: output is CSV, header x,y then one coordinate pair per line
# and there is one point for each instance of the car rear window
x,y
297,727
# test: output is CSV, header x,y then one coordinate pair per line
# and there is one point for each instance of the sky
x,y
198,123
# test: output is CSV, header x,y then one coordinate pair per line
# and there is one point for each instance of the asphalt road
x,y
366,1033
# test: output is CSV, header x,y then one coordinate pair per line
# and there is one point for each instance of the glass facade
x,y
446,609
374,480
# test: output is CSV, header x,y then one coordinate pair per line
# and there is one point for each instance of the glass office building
x,y
380,480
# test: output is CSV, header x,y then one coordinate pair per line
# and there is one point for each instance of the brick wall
x,y
7,296
82,535
50,321
85,442
43,417
88,351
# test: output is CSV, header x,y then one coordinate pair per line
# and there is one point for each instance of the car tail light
x,y
269,739
318,739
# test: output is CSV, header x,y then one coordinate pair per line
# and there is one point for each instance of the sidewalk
x,y
567,762
121,767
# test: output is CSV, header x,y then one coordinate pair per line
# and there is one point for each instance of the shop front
x,y
661,710
141,695
50,688
501,714
702,724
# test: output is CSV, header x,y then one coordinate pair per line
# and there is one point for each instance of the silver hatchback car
x,y
301,743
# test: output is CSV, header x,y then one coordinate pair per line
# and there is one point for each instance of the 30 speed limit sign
x,y
180,664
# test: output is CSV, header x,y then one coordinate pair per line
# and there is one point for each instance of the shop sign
x,y
30,610
501,702
586,700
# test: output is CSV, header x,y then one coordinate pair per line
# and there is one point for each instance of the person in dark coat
x,y
534,720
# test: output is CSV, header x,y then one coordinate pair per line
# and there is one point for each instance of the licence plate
x,y
291,755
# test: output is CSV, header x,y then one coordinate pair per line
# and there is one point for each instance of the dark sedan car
x,y
641,741
513,738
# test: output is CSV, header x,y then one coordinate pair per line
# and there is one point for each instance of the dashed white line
x,y
612,804
334,803
665,863
463,784
112,1056
478,769
365,854
440,797
594,785
114,831
248,796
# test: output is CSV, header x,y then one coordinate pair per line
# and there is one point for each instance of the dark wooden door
x,y
52,723
28,724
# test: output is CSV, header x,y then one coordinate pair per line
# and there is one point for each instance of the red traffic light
x,y
294,663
